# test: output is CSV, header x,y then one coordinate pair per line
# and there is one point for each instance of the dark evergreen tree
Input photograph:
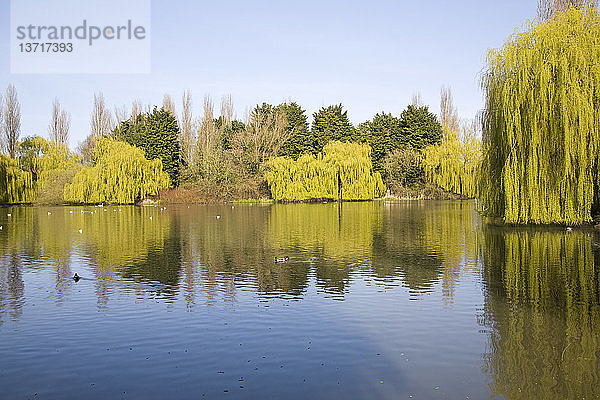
x,y
157,133
420,127
226,131
331,123
298,141
384,134
264,111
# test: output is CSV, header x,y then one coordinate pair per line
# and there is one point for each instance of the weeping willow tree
x,y
40,156
16,186
57,157
342,171
52,166
541,128
454,164
120,174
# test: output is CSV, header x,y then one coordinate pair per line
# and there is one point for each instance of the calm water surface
x,y
378,300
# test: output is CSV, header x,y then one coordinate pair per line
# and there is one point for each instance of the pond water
x,y
377,301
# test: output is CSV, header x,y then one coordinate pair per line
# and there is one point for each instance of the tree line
x,y
223,154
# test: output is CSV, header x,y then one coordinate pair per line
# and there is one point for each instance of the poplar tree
x,y
60,123
11,121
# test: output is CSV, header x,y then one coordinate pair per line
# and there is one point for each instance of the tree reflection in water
x,y
542,303
158,252
541,291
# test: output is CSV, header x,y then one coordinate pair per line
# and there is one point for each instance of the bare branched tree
x,y
101,121
136,109
448,114
185,128
416,100
227,109
11,126
207,145
549,8
60,124
121,114
86,149
468,129
168,104
264,135
207,134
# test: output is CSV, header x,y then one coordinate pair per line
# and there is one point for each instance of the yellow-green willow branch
x,y
121,174
454,164
16,186
342,171
541,128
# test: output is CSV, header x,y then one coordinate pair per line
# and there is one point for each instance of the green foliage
x,y
57,157
40,156
51,189
157,133
331,123
120,174
30,151
396,143
303,179
16,186
343,171
298,139
226,131
551,278
402,169
384,134
51,165
419,127
541,133
454,165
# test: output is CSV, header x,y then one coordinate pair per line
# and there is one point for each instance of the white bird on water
x,y
218,217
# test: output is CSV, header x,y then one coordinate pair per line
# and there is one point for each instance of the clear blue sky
x,y
369,55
